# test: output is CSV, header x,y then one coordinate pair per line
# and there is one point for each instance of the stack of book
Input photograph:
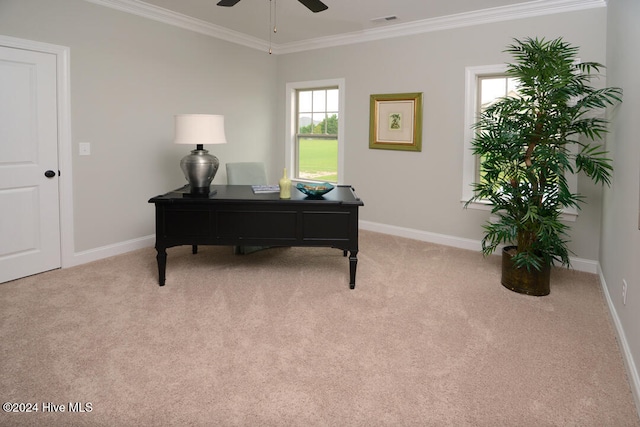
x,y
258,189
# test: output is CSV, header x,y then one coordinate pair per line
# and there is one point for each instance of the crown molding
x,y
156,13
467,19
486,16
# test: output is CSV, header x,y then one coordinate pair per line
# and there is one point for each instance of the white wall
x,y
422,191
129,77
620,250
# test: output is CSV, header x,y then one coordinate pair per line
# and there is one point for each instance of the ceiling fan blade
x,y
314,5
227,3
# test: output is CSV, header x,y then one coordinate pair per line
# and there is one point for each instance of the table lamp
x,y
199,167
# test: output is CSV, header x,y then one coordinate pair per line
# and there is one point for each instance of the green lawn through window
x,y
318,159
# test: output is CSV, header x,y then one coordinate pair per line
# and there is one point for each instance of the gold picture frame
x,y
395,121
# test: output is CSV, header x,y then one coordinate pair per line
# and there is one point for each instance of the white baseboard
x,y
111,250
579,264
627,356
423,236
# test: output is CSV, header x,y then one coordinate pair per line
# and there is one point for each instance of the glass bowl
x,y
315,190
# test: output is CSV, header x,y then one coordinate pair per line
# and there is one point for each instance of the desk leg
x,y
353,262
194,249
162,264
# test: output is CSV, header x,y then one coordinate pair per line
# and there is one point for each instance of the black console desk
x,y
234,215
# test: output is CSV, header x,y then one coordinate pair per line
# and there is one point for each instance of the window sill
x,y
568,215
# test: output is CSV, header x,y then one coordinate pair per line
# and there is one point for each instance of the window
x,y
473,102
317,134
314,148
484,85
489,89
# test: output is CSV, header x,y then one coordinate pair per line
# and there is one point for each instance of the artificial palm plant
x,y
527,144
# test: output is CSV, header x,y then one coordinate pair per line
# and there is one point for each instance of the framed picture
x,y
395,121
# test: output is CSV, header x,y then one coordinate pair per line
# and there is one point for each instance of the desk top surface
x,y
341,194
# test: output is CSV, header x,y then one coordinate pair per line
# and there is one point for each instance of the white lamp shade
x,y
194,129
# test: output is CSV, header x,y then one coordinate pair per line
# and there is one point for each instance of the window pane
x,y
319,100
492,88
332,100
332,124
305,123
318,159
304,101
318,122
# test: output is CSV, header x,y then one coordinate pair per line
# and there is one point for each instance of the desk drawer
x,y
325,225
256,224
186,223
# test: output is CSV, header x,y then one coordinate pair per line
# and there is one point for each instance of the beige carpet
x,y
429,337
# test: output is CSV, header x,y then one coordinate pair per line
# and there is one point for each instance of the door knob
x,y
49,174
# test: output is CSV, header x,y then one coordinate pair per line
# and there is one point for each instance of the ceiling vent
x,y
384,19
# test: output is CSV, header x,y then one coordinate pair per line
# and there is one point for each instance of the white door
x,y
29,200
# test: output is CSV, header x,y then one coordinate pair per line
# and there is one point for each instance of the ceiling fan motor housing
x,y
313,5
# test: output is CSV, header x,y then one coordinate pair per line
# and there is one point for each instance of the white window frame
x,y
290,122
469,163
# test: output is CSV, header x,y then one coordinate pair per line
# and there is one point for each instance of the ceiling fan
x,y
313,5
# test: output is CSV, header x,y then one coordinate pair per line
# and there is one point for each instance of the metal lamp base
x,y
199,169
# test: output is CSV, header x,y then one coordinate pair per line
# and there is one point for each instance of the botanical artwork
x,y
396,122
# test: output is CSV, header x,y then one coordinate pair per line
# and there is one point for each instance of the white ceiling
x,y
346,21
